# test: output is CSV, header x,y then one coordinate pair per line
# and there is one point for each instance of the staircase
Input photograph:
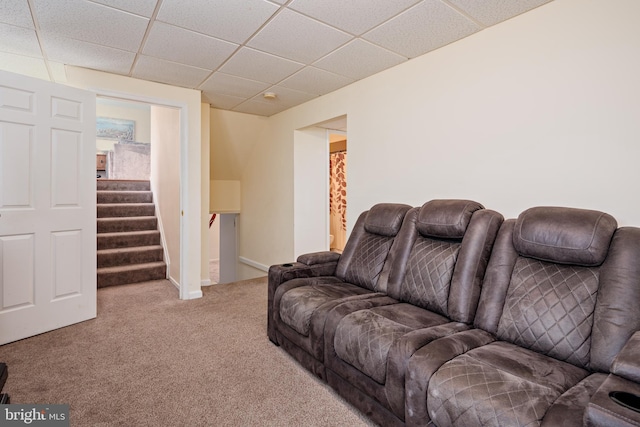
x,y
129,249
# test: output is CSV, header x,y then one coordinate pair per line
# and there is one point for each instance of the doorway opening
x,y
138,168
311,186
337,191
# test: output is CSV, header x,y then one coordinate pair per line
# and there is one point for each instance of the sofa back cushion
x,y
543,281
365,254
447,244
549,309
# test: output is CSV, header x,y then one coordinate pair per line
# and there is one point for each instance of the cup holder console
x,y
287,265
628,400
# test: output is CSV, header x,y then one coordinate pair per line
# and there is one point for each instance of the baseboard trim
x,y
206,282
173,282
253,264
195,294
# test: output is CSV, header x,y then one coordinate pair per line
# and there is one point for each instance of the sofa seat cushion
x,y
363,338
298,304
498,384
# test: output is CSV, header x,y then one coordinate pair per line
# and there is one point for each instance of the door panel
x,y
47,206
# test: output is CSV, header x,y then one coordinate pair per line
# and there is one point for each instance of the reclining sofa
x,y
448,315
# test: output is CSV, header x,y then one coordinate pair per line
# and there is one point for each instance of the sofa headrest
x,y
446,219
385,219
564,235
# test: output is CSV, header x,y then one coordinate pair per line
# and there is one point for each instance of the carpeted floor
x,y
150,359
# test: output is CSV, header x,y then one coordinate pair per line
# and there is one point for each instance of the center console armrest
x,y
315,264
627,362
615,404
319,258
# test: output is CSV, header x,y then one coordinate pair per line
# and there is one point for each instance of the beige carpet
x,y
149,359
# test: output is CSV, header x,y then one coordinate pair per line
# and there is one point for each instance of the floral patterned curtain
x,y
338,198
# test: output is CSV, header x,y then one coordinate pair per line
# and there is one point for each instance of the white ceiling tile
x,y
259,108
233,21
285,97
186,47
260,66
91,22
315,80
224,102
16,12
359,59
490,12
354,16
88,55
139,7
252,45
227,84
425,27
159,70
19,40
27,65
297,37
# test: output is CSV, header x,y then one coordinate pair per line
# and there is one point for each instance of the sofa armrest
x,y
316,265
603,410
315,258
627,363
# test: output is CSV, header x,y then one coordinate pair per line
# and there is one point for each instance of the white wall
x,y
311,191
539,110
205,143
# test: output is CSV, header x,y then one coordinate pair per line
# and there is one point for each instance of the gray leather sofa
x,y
467,320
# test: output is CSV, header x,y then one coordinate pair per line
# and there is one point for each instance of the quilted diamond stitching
x,y
368,260
429,270
465,392
549,309
363,340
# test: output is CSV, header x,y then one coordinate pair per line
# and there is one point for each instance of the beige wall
x,y
165,177
188,101
233,136
539,110
225,196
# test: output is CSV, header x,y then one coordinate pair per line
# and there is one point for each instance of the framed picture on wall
x,y
118,129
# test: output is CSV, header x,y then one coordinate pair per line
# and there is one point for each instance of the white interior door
x,y
47,206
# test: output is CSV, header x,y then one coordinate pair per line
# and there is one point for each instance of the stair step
x,y
128,239
109,196
128,256
122,185
112,276
122,224
110,210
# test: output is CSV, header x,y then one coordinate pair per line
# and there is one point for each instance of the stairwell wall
x,y
165,177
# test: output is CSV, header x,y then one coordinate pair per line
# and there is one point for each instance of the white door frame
x,y
184,184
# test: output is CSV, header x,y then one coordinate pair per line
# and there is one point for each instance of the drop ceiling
x,y
234,51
